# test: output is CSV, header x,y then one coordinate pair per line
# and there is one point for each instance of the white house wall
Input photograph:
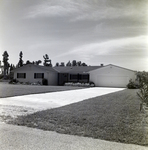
x,y
30,70
111,76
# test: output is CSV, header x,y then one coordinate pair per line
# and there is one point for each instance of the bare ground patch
x,y
9,113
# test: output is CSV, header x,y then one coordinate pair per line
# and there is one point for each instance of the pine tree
x,y
20,63
6,64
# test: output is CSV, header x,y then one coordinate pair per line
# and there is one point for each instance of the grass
x,y
113,117
10,90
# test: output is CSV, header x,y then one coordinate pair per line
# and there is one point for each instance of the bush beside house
x,y
132,84
44,81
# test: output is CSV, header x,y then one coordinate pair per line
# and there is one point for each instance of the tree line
x,y
73,63
7,67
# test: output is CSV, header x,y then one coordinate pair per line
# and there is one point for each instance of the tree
x,y
1,70
11,67
6,64
20,63
47,61
62,64
57,64
28,62
79,63
143,91
38,62
74,63
68,64
83,64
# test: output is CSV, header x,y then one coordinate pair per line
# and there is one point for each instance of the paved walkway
x,y
23,138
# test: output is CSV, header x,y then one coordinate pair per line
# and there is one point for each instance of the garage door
x,y
112,81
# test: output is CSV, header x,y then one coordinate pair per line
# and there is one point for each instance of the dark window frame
x,y
73,76
84,76
21,75
38,75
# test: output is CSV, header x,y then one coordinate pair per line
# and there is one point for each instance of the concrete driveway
x,y
27,104
56,99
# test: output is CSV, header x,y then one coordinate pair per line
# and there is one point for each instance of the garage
x,y
111,76
109,81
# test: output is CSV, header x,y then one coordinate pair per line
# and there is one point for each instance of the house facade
x,y
101,76
74,74
35,73
112,76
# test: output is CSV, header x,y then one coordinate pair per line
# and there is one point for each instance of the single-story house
x,y
35,73
104,76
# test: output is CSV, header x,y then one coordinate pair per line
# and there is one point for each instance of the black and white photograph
x,y
73,75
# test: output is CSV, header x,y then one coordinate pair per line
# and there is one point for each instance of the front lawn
x,y
10,90
113,117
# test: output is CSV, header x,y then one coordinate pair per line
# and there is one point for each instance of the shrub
x,y
27,83
92,84
143,92
132,85
13,81
44,81
1,76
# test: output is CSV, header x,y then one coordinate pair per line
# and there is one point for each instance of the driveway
x,y
26,104
56,99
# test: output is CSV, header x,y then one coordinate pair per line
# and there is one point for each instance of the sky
x,y
92,31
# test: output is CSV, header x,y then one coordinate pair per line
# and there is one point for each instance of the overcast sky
x,y
91,31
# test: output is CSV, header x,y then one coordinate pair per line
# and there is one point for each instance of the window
x,y
38,75
21,75
73,76
84,77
